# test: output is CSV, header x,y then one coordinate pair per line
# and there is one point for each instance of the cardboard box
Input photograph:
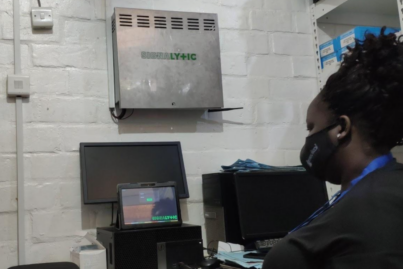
x,y
89,257
328,52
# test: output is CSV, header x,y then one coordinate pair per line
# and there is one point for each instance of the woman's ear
x,y
345,124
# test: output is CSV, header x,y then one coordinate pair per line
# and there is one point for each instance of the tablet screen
x,y
149,205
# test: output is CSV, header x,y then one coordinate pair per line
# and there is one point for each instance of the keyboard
x,y
266,245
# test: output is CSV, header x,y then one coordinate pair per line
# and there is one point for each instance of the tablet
x,y
146,205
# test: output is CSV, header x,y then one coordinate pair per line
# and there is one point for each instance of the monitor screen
x,y
149,205
105,165
272,204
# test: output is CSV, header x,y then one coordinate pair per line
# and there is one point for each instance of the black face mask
x,y
317,151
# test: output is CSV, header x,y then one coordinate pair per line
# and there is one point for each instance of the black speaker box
x,y
156,248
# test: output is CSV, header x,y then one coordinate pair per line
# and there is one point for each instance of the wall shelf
x,y
330,18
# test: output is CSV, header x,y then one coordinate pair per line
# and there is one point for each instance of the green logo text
x,y
168,56
164,218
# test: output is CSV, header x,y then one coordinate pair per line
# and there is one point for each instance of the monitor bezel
x,y
244,234
124,226
84,145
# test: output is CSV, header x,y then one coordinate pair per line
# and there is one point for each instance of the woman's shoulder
x,y
382,188
391,176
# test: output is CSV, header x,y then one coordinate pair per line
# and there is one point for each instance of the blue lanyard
x,y
374,165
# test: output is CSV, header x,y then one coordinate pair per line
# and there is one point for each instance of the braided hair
x,y
368,88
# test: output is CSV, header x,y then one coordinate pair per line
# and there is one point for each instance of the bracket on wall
x,y
223,109
323,7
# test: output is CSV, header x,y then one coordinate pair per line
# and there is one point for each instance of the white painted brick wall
x,y
53,166
291,44
7,113
7,137
302,22
47,225
84,32
60,109
49,81
8,168
42,138
304,66
234,41
279,112
288,5
288,137
297,90
243,3
271,20
8,201
233,64
79,56
8,253
249,88
8,226
87,83
268,68
7,55
41,196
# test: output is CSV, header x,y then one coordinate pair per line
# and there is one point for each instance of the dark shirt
x,y
363,230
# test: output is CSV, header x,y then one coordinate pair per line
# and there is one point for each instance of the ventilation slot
x,y
209,25
193,24
160,22
177,23
143,21
125,20
113,25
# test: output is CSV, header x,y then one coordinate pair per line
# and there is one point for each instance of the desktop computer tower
x,y
220,209
153,248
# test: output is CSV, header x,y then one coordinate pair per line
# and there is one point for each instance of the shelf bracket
x,y
316,46
325,6
223,109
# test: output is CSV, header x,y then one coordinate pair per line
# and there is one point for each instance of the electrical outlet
x,y
42,18
18,85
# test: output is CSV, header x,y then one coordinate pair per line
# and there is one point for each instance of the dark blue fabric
x,y
251,165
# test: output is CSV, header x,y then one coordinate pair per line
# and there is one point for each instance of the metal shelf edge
x,y
325,6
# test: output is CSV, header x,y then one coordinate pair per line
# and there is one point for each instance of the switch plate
x,y
18,85
42,18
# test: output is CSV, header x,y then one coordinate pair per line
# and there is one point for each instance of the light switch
x,y
42,18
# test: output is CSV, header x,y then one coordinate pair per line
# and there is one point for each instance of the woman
x,y
353,124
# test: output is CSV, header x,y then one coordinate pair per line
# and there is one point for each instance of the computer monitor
x,y
272,204
105,165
